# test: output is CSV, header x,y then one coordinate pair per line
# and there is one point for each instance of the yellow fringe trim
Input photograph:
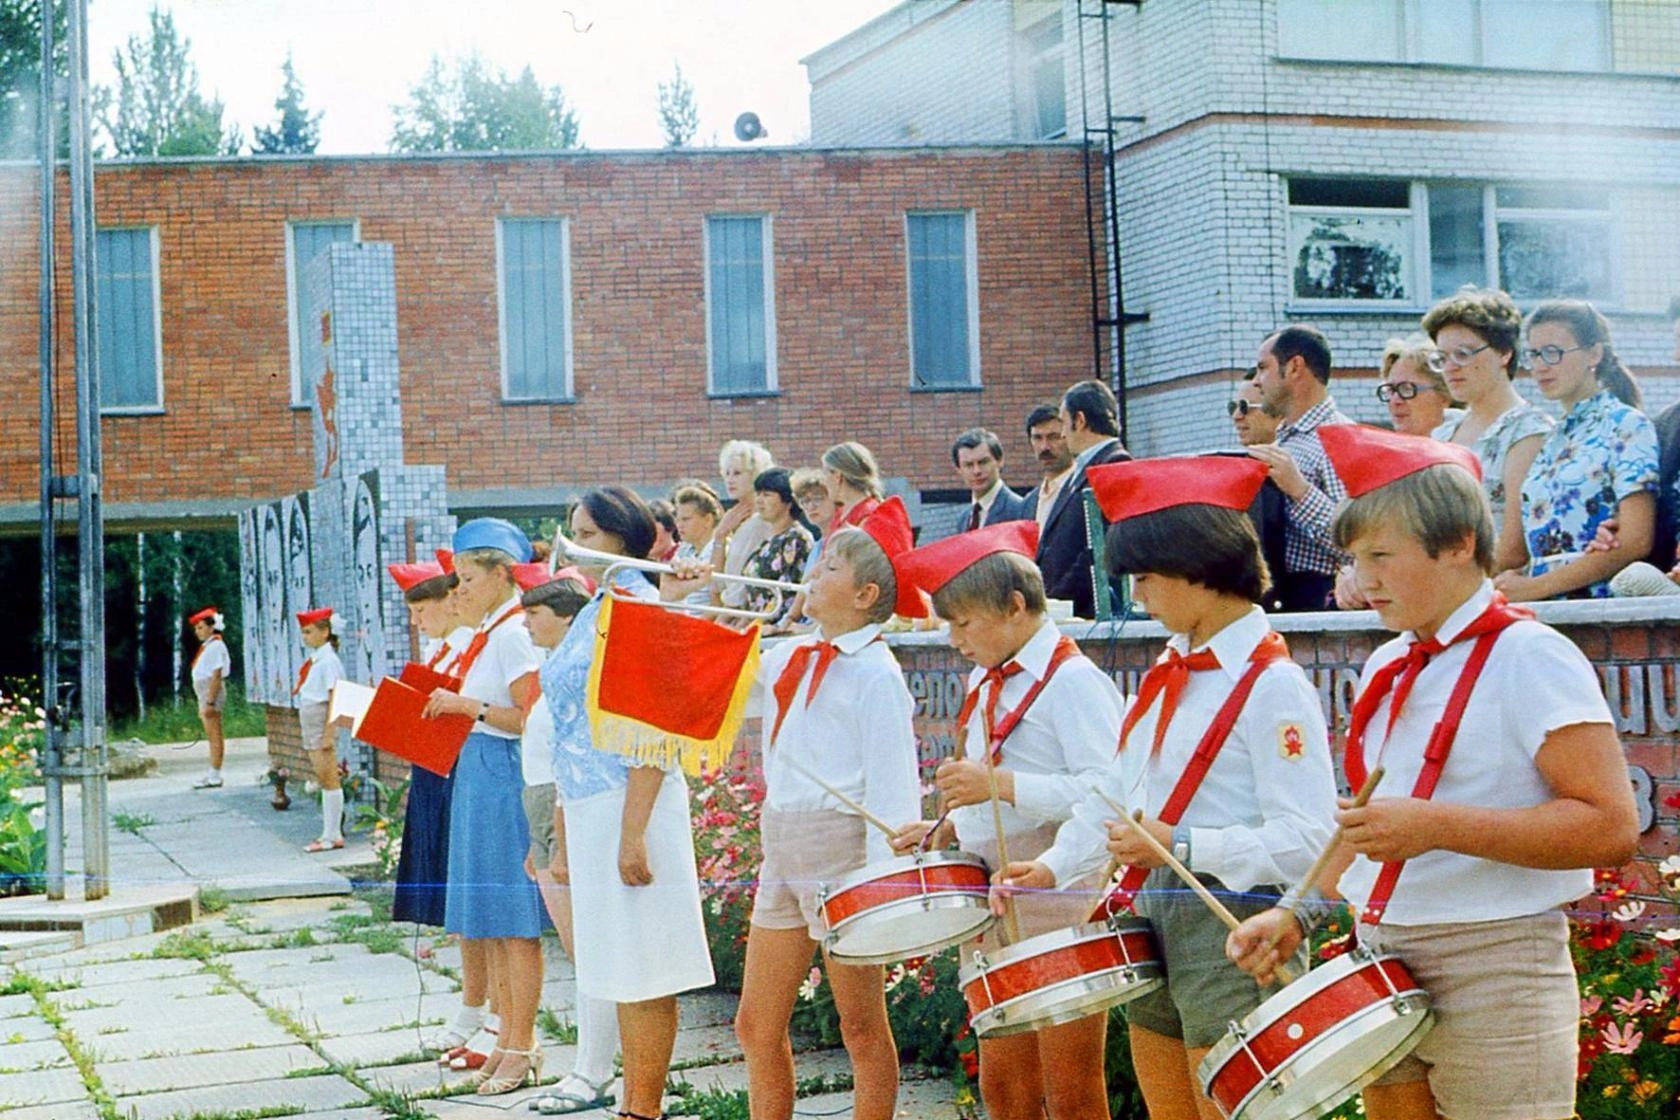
x,y
646,745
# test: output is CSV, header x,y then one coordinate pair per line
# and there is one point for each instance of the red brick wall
x,y
641,414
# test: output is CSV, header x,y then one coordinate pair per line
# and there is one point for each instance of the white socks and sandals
x,y
332,822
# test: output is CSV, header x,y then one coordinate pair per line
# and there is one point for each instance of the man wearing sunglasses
x,y
1249,416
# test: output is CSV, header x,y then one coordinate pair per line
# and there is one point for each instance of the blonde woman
x,y
740,531
854,482
1416,396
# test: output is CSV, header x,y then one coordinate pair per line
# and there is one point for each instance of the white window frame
x,y
1412,48
767,250
568,387
1492,212
1029,88
1416,275
157,405
294,343
971,279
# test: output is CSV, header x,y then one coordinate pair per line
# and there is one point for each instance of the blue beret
x,y
493,532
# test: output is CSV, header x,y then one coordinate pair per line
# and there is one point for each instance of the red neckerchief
x,y
202,646
1066,648
303,674
442,652
480,640
1271,648
1398,676
1166,679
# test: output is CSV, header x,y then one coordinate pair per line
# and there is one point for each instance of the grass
x,y
178,722
212,900
556,1029
79,1057
186,944
132,823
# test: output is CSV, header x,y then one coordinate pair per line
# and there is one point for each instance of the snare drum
x,y
906,906
1320,1040
1060,976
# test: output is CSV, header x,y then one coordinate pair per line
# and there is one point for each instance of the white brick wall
x,y
1203,217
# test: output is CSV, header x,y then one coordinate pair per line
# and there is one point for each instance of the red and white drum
x,y
1320,1040
1060,976
906,906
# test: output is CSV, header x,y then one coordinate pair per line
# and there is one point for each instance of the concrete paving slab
x,y
705,1044
706,1009
228,1034
26,1028
376,1048
412,1077
191,986
20,1004
94,974
19,1057
208,1013
377,1015
83,1109
46,1086
342,1114
155,1075
320,1094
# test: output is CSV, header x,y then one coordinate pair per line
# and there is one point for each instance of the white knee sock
x,y
332,814
597,1042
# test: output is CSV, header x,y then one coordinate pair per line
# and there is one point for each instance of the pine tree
x,y
297,131
679,116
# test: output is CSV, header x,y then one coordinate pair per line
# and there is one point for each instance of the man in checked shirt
x,y
1292,372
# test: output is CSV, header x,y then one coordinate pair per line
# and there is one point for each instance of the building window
x,y
304,241
130,338
1044,82
534,301
1381,241
1350,239
740,306
944,302
1515,34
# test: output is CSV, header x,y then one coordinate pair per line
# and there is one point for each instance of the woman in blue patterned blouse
x,y
626,847
1599,463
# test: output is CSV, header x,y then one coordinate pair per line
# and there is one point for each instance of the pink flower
x,y
1634,1006
1590,1006
1620,1039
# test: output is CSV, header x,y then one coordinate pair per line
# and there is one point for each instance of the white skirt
x,y
636,943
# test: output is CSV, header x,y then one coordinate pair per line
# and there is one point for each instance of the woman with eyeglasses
x,y
1476,334
1599,463
1417,397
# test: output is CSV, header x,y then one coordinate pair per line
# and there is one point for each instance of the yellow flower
x,y
1646,1089
1612,1090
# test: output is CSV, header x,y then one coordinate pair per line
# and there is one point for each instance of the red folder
x,y
428,680
393,723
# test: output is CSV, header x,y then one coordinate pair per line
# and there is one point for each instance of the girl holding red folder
x,y
489,900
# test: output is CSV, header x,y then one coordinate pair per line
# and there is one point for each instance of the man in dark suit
x,y
978,456
1089,423
1663,552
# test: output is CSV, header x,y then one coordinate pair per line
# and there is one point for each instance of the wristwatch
x,y
1181,844
483,710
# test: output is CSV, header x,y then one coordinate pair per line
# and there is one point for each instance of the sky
x,y
357,58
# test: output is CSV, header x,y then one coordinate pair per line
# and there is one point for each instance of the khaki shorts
x,y
539,818
1204,993
803,851
199,688
312,725
1036,912
1506,1005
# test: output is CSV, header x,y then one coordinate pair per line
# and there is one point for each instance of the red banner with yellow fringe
x,y
667,686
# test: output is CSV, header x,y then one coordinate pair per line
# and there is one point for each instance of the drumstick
x,y
842,798
1184,873
1010,920
1359,801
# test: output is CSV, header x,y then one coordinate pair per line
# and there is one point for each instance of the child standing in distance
x,y
316,677
551,602
1461,861
1225,691
834,705
1054,718
210,668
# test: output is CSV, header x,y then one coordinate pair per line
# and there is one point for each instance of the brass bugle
x,y
565,551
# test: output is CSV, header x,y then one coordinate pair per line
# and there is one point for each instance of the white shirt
x,y
213,655
1264,810
536,746
985,500
1048,491
856,734
456,641
507,656
325,670
1535,682
1059,749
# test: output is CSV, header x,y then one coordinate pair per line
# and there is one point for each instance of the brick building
x,y
565,319
1341,162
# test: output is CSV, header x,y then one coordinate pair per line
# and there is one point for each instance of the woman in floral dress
x,y
1599,463
782,557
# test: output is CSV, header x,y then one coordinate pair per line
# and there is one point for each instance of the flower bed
x,y
23,844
